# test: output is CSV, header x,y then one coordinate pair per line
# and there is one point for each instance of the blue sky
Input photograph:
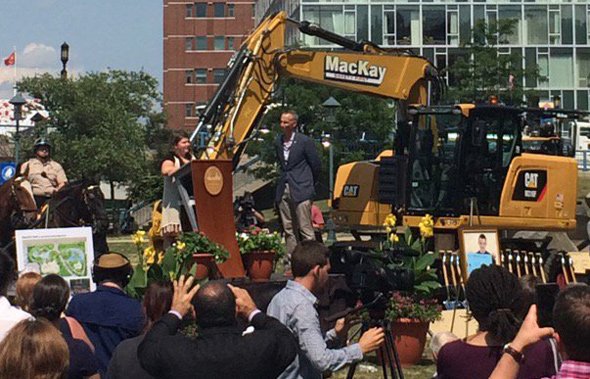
x,y
120,34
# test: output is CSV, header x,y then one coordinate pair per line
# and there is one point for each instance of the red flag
x,y
11,59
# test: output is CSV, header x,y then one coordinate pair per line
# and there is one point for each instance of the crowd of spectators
x,y
107,334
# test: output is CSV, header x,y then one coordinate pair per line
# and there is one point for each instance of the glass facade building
x,y
552,34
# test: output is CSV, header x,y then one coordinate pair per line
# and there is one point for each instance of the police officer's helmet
x,y
112,267
41,142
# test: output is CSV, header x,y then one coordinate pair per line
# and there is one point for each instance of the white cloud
x,y
38,55
34,59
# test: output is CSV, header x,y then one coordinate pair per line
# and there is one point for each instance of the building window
x,y
201,75
219,10
350,22
188,76
188,43
219,43
218,75
408,26
581,31
433,25
200,9
536,25
506,13
188,10
253,10
389,25
453,27
230,43
554,27
201,43
230,10
189,110
561,68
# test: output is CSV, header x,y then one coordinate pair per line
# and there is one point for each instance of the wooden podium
x,y
213,194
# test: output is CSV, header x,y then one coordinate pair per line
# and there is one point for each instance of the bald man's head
x,y
215,305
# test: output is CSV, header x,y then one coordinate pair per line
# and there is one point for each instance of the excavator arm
x,y
254,72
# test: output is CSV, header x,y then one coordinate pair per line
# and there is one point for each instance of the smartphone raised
x,y
545,299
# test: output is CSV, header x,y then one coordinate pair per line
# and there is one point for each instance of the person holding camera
x,y
571,321
294,306
496,301
245,215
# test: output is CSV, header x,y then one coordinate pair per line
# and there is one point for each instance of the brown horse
x,y
79,203
17,208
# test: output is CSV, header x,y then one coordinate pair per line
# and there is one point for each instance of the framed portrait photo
x,y
479,246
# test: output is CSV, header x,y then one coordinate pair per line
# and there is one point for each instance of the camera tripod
x,y
387,352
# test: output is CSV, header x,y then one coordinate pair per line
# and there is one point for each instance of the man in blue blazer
x,y
300,169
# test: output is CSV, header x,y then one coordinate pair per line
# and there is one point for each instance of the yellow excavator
x,y
456,162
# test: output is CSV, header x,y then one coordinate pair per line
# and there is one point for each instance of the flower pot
x,y
410,338
206,266
259,265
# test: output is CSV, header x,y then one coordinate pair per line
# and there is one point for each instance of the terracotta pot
x,y
410,338
259,265
206,266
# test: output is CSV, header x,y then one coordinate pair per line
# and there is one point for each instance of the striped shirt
x,y
573,370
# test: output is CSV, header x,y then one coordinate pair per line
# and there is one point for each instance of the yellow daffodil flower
x,y
180,245
390,220
149,255
393,238
138,237
160,257
426,226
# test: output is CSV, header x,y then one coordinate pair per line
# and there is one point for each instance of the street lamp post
x,y
17,102
330,105
65,56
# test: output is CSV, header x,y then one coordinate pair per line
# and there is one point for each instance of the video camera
x,y
370,274
244,212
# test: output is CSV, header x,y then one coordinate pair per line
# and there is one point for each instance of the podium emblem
x,y
213,180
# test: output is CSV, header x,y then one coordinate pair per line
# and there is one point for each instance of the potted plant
x,y
192,254
410,312
206,253
260,250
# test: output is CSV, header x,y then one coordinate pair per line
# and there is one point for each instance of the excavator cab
x,y
456,155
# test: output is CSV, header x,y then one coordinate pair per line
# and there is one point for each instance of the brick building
x,y
199,40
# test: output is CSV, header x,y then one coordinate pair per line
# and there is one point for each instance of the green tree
x,y
480,71
102,124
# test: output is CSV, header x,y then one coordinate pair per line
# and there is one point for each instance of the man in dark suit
x,y
300,169
221,350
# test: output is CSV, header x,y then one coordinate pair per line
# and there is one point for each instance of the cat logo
x,y
350,190
531,179
531,185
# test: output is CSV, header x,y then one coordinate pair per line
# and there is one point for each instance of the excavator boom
x,y
263,59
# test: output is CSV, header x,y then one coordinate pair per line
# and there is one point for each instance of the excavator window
x,y
484,161
433,162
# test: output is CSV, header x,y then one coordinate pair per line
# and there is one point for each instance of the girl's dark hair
x,y
176,137
50,297
495,298
157,301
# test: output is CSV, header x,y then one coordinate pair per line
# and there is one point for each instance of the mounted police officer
x,y
45,175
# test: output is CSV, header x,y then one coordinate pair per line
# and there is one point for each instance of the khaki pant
x,y
298,228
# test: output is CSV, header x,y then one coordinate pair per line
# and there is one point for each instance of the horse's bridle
x,y
69,221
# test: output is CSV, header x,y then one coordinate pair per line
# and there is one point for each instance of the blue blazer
x,y
301,171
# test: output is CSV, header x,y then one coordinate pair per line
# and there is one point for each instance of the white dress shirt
x,y
9,316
